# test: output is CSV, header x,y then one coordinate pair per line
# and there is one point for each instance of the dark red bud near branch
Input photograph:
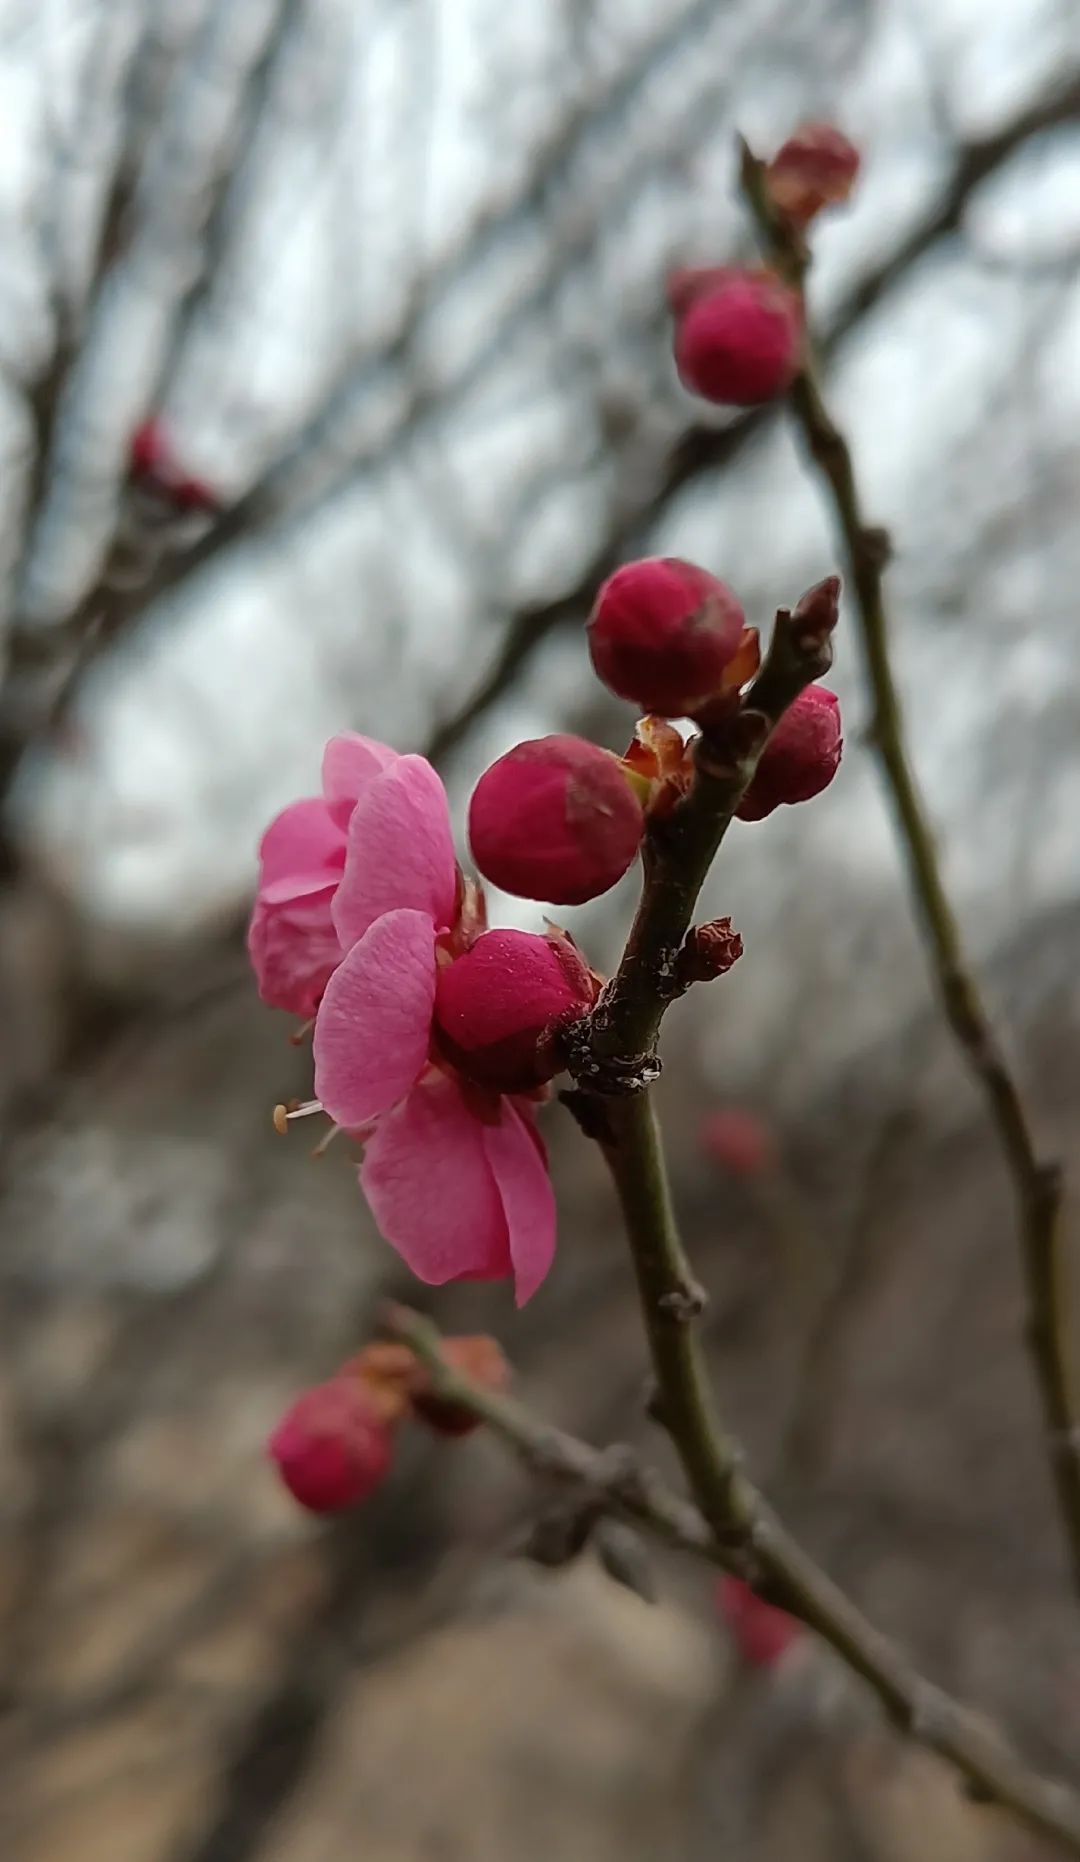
x,y
709,951
815,168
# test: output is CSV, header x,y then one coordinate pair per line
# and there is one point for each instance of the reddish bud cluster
x,y
738,334
334,1445
663,633
155,467
498,1007
800,758
555,819
816,168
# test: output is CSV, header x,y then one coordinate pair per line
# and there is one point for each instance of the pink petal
x,y
301,841
294,949
374,1023
431,1189
295,886
350,763
517,1158
400,851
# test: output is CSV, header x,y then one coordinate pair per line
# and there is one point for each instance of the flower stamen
x,y
294,1108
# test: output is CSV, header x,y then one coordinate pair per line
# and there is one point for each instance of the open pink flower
x,y
455,1173
291,938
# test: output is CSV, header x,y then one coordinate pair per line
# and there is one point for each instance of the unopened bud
x,y
663,633
815,615
154,466
708,951
816,168
624,1557
738,339
555,819
332,1447
800,758
762,1632
498,1006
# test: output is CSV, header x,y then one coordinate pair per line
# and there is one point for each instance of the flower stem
x,y
1037,1180
670,1301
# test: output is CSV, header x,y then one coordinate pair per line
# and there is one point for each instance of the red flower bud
x,y
762,1632
555,819
709,950
801,757
738,340
155,467
498,1006
816,168
736,1140
332,1447
662,633
479,1359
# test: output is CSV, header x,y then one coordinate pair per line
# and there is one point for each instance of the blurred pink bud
x,y
499,1005
154,466
736,1140
332,1447
801,757
149,450
762,1632
662,633
816,168
739,341
555,818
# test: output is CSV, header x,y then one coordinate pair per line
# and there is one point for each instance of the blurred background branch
x,y
387,279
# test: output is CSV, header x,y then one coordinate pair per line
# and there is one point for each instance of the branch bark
x,y
1037,1180
735,1528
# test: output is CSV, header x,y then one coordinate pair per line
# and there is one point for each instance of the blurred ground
x,y
196,1672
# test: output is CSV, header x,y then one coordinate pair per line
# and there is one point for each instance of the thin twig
x,y
747,1538
1037,1180
704,449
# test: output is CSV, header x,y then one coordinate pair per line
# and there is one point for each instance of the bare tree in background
x,y
387,280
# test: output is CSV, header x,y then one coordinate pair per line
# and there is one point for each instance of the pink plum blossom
x,y
291,938
454,1172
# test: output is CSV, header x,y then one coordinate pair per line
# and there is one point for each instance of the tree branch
x,y
745,1538
706,449
1037,1180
